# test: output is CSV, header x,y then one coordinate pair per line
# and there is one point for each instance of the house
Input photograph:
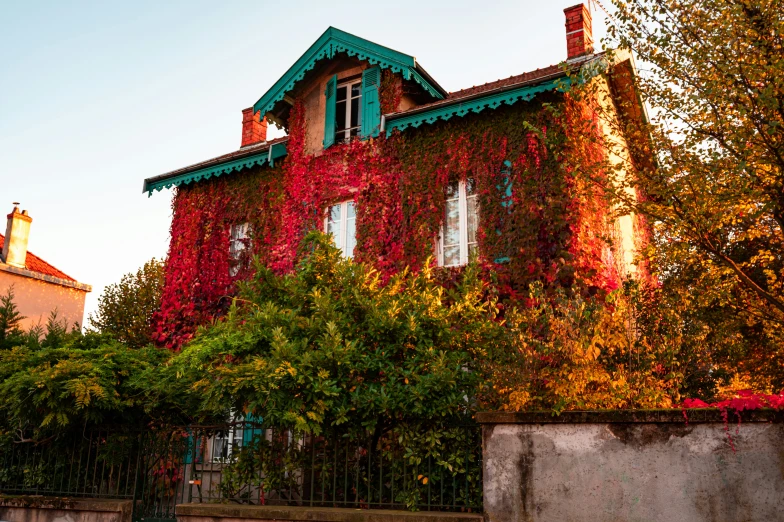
x,y
401,171
38,287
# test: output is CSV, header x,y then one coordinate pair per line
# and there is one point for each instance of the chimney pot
x,y
579,31
17,232
253,130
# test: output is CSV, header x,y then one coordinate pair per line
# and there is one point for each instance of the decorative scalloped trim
x,y
334,46
209,172
477,105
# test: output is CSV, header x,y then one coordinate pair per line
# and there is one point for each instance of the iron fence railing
x,y
250,463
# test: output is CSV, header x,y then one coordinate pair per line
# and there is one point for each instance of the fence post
x,y
135,502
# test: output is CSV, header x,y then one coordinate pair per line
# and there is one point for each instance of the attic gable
x,y
331,44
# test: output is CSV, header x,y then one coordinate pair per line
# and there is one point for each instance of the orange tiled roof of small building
x,y
34,263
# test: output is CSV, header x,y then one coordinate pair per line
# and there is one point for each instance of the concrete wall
x,y
36,299
237,513
41,509
627,467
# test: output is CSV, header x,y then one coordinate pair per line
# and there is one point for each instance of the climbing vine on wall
x,y
540,219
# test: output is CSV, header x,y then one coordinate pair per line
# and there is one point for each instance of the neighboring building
x,y
39,288
399,170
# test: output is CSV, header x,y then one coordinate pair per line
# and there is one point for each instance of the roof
x,y
334,41
34,263
37,268
265,152
474,99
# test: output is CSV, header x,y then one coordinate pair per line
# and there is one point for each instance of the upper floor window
x,y
348,110
458,234
239,241
352,108
341,222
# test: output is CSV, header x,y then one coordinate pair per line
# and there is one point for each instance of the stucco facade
x,y
36,297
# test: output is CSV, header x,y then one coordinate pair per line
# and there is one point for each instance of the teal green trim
x,y
330,93
506,199
277,151
335,41
475,105
371,106
209,172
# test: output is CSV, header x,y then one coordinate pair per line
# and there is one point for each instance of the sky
x,y
97,96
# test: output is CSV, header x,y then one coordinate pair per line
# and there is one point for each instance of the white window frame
x,y
342,225
462,225
348,84
239,241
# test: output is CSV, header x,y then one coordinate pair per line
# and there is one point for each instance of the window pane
x,y
340,116
356,89
341,93
470,187
452,223
354,112
452,255
452,190
473,218
351,211
333,225
334,213
351,237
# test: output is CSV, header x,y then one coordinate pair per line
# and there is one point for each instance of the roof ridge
x,y
37,264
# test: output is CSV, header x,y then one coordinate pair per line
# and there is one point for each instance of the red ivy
x,y
553,227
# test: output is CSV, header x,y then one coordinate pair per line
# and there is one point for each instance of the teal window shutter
x,y
251,429
506,197
371,108
329,112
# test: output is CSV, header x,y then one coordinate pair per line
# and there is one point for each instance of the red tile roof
x,y
530,77
34,263
506,82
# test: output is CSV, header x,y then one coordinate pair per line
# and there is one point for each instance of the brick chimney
x,y
253,130
17,231
579,31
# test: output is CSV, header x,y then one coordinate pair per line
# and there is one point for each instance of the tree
x,y
714,196
10,319
125,309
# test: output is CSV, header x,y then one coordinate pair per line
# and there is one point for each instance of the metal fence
x,y
249,463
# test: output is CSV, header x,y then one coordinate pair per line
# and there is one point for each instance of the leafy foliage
x,y
713,196
76,379
536,211
329,345
125,309
10,319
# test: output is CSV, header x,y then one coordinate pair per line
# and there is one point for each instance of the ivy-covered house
x,y
401,171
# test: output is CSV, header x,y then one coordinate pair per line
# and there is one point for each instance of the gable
x,y
332,43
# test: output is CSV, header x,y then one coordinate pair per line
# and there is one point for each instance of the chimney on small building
x,y
17,232
579,31
253,130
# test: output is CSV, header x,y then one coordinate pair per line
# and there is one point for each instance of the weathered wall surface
x,y
36,299
40,509
237,513
632,471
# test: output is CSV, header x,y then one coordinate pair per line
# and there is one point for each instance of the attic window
x,y
352,108
348,110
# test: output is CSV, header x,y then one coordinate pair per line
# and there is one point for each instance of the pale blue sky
x,y
97,96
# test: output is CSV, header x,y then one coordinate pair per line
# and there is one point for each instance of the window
x,y
348,110
223,445
458,234
239,242
341,222
352,107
